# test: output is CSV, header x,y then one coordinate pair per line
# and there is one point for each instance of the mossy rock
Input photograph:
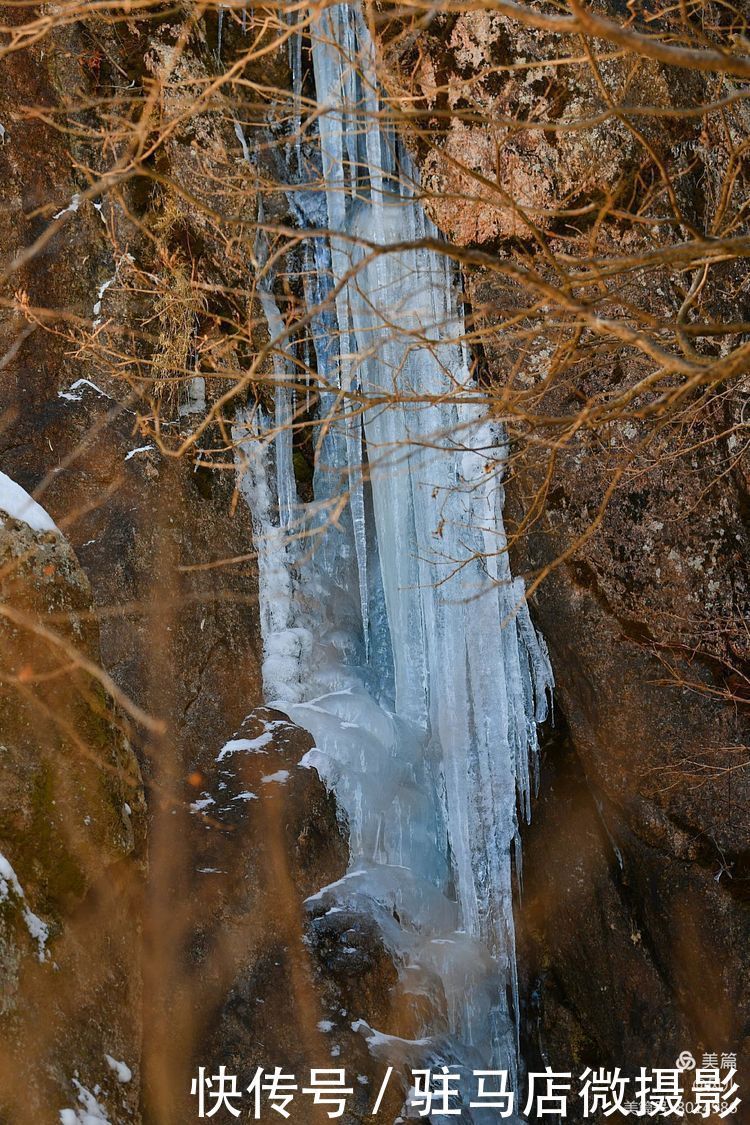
x,y
72,824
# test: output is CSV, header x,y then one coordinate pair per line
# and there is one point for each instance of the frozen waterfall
x,y
397,635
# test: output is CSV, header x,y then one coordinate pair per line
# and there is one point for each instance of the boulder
x,y
72,856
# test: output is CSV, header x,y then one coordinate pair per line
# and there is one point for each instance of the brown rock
x,y
72,826
278,987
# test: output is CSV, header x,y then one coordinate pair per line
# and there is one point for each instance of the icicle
x,y
283,392
286,642
336,88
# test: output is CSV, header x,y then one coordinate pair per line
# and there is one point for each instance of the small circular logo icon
x,y
685,1061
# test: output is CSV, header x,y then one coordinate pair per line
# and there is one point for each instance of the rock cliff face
x,y
634,918
183,641
72,833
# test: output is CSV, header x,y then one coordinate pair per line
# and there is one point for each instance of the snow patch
x,y
9,884
16,502
72,207
246,745
121,1070
99,297
140,449
204,802
76,390
90,1113
280,776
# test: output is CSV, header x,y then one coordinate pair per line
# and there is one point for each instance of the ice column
x,y
420,674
